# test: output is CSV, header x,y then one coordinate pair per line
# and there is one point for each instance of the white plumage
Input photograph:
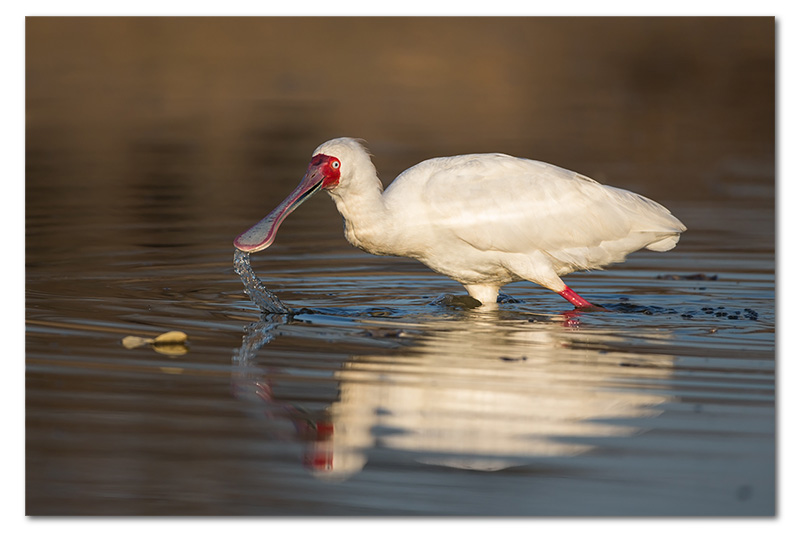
x,y
484,220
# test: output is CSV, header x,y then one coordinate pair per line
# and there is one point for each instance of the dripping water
x,y
254,288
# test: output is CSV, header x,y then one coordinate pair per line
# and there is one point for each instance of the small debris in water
x,y
747,313
254,288
171,337
627,307
169,343
691,277
750,314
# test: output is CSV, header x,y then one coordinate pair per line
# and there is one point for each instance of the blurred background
x,y
669,107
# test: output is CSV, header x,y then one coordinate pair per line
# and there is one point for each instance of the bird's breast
x,y
371,239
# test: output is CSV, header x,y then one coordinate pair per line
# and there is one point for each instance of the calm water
x,y
381,394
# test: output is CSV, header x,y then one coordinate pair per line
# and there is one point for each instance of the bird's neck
x,y
367,224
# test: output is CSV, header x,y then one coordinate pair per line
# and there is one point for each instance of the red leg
x,y
573,298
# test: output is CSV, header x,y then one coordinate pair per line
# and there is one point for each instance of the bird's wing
x,y
502,203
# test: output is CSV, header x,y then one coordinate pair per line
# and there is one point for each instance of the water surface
x,y
384,392
663,405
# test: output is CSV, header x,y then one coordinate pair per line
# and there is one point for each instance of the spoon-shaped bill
x,y
263,233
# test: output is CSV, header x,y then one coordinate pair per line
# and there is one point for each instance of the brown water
x,y
152,143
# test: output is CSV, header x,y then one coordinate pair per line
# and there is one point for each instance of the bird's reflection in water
x,y
473,393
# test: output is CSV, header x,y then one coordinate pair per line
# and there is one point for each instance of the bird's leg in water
x,y
573,298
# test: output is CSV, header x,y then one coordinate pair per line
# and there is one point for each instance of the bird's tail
x,y
665,244
662,227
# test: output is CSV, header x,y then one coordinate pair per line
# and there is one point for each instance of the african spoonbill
x,y
484,220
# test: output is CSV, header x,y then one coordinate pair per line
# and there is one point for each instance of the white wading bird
x,y
484,220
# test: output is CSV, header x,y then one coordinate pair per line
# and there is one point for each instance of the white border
x,y
13,124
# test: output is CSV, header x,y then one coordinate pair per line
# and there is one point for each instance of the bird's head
x,y
331,165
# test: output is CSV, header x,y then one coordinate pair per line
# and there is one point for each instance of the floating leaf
x,y
171,343
131,342
171,337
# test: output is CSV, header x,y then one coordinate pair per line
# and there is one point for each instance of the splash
x,y
254,288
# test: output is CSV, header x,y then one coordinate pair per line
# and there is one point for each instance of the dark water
x,y
380,394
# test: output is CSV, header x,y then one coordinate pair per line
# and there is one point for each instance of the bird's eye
x,y
335,164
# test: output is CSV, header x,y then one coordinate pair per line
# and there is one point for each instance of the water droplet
x,y
254,288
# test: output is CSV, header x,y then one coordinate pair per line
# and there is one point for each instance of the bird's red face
x,y
323,173
328,167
